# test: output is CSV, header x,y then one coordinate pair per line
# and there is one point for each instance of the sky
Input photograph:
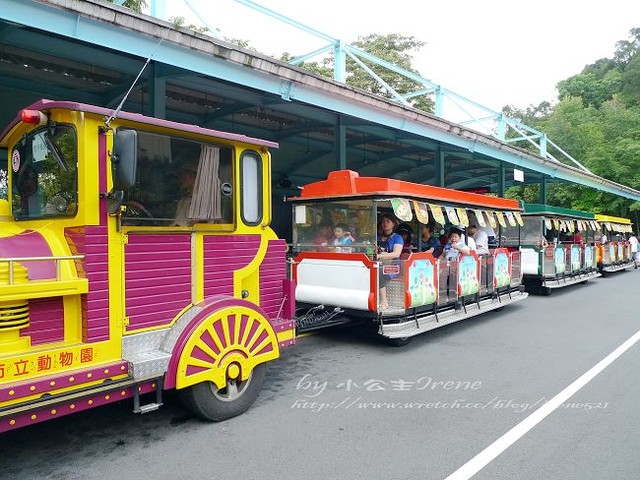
x,y
494,52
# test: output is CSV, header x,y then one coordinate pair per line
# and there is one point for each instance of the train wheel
x,y
208,401
545,291
222,357
399,342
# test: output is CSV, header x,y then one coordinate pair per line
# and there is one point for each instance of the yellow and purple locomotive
x,y
135,256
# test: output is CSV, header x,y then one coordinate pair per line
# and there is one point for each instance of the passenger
x,y
491,236
429,242
455,246
481,238
467,239
342,238
188,174
635,253
575,238
404,231
389,248
31,198
324,235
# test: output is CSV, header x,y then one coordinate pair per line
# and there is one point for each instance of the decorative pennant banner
x,y
519,218
462,215
501,221
480,218
451,214
422,213
607,225
596,225
571,225
492,219
436,211
547,223
510,218
556,224
402,209
580,225
563,225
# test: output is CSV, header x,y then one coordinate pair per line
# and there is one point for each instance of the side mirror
x,y
124,159
114,201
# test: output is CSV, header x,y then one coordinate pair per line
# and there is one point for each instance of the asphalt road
x,y
343,405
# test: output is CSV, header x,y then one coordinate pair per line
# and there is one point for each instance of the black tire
x,y
545,291
399,342
206,401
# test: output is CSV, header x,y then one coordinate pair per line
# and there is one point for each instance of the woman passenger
x,y
389,248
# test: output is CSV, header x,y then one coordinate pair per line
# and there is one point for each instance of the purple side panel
x,y
30,244
157,278
222,256
273,272
92,242
46,321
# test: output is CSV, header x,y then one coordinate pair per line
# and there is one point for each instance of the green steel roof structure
x,y
538,209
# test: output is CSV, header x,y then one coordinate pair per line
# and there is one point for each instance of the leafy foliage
x,y
180,22
597,121
136,5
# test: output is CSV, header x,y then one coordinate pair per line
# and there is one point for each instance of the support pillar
x,y
439,167
156,104
543,191
340,144
501,180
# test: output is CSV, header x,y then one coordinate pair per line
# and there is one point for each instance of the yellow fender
x,y
226,340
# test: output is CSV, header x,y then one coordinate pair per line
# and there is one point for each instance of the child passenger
x,y
455,246
342,238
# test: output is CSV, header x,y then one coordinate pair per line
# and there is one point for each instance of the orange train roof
x,y
347,183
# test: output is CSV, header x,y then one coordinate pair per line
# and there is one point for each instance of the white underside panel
x,y
342,283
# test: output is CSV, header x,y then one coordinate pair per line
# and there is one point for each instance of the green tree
x,y
397,50
393,48
136,5
180,22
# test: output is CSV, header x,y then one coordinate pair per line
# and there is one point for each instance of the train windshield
x,y
315,225
44,173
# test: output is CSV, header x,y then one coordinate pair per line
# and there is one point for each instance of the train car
x,y
135,256
558,247
340,283
614,250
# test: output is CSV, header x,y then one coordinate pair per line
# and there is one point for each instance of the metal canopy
x,y
91,52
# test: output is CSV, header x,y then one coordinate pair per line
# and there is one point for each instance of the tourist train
x,y
137,255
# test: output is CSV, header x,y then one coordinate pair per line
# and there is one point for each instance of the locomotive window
x,y
180,182
251,187
4,181
44,174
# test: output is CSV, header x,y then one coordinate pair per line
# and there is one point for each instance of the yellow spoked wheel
x,y
222,365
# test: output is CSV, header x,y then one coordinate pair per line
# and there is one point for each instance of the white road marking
x,y
482,459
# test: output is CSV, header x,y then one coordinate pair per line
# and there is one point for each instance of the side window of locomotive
x,y
44,173
179,182
251,187
4,179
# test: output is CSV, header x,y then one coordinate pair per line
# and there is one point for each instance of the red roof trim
x,y
347,183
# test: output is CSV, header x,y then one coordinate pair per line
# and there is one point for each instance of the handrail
x,y
57,259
